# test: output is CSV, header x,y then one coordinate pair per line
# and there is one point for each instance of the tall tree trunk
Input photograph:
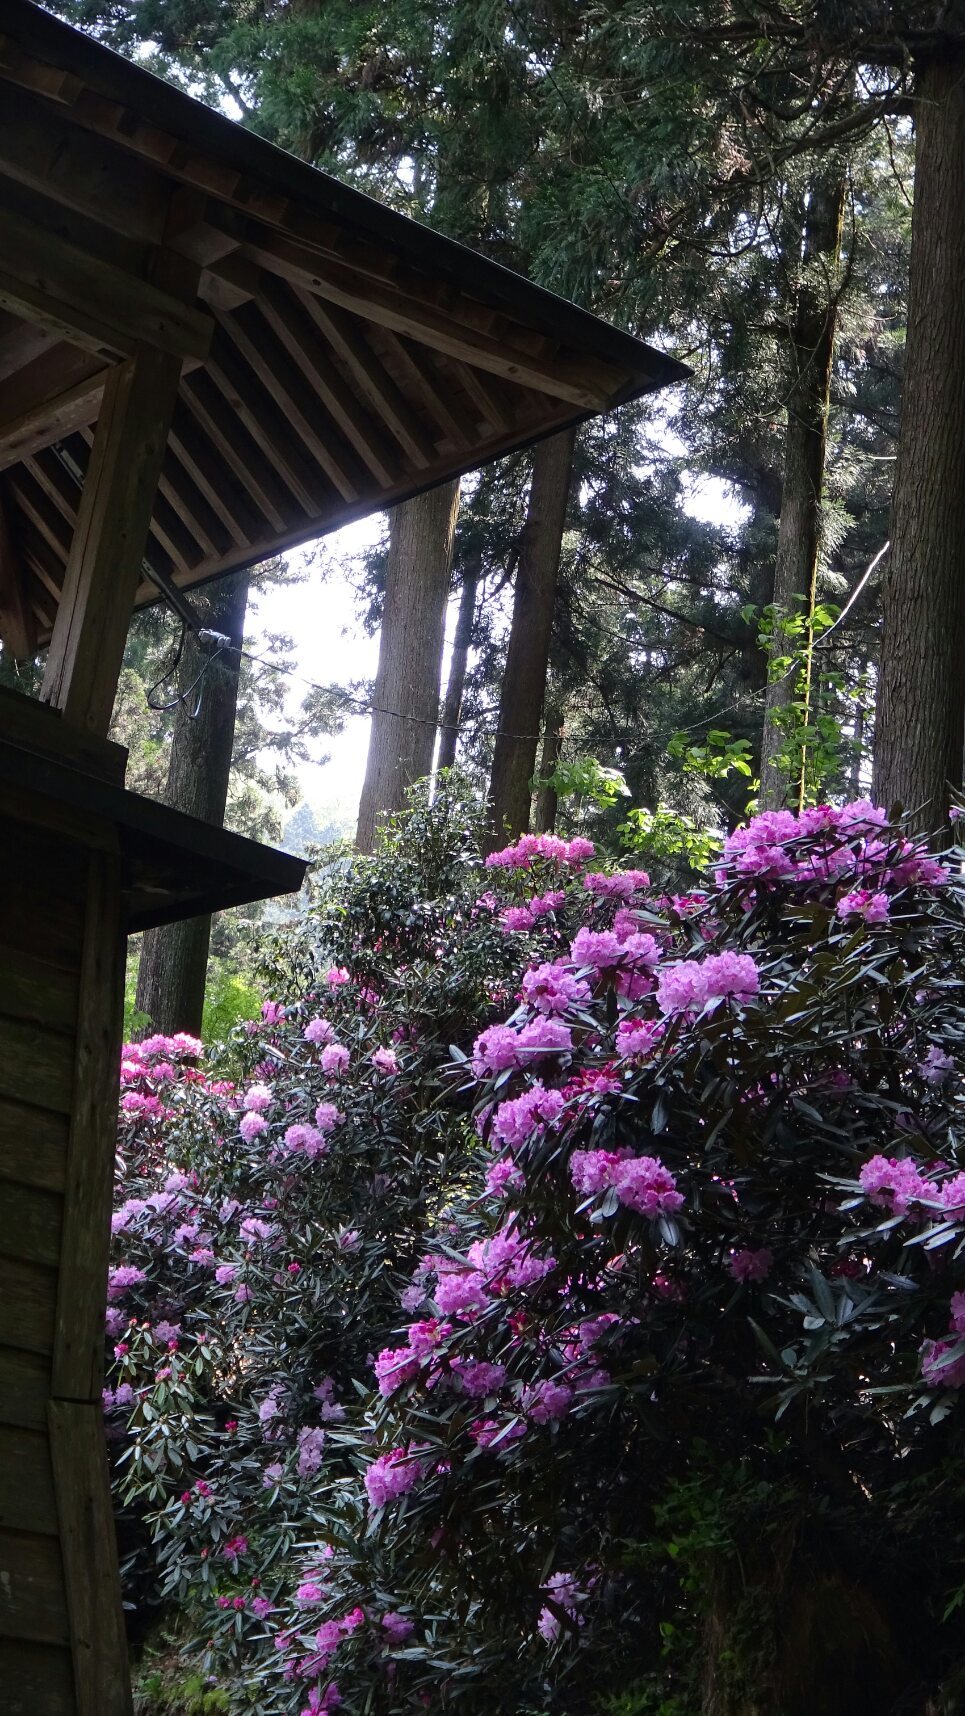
x,y
527,658
410,654
174,959
547,802
456,684
921,682
799,529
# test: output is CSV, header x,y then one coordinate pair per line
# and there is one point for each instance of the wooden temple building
x,y
209,352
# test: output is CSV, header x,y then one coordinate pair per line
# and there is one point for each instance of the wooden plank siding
x,y
61,1631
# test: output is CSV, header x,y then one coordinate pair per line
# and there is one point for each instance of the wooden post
x,y
104,567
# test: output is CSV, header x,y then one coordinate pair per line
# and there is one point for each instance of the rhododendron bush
x,y
556,1248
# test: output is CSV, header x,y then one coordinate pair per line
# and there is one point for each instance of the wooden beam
x,y
344,334
239,451
166,526
287,383
299,335
20,345
48,153
214,482
254,407
18,628
88,1545
89,301
589,386
61,489
417,365
195,513
103,570
41,404
47,520
485,395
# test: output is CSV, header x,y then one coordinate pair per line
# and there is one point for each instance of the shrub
x,y
675,1223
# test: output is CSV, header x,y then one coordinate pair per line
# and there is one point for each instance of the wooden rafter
x,y
42,404
344,333
194,452
284,381
18,626
253,406
298,334
562,378
235,446
416,365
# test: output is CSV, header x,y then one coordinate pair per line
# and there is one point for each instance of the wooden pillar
x,y
106,555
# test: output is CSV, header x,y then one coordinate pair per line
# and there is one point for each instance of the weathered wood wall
x,y
61,1633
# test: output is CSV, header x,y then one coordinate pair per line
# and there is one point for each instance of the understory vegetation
x,y
554,1300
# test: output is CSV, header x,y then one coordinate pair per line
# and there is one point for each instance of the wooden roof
x,y
172,866
338,357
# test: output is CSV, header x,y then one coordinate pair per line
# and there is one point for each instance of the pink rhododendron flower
x,y
542,904
645,1185
503,1177
123,1278
308,1592
860,903
385,1061
336,976
595,947
394,1367
486,1432
936,1066
547,1402
254,1229
478,1378
952,1198
638,1037
552,988
517,919
257,1098
938,1369
515,1120
390,1476
622,885
311,1443
252,1126
319,1031
893,1183
693,984
327,1117
397,1627
335,1059
460,1292
748,1265
592,1170
579,850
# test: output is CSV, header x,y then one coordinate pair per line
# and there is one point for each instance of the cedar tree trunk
x,y
547,802
527,658
456,684
799,529
174,958
921,681
410,654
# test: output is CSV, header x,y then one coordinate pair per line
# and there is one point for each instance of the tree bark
x,y
407,682
921,681
547,801
527,658
174,959
456,684
799,528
